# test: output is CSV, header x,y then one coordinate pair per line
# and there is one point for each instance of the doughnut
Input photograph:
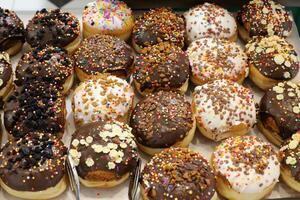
x,y
53,27
103,54
263,18
104,153
33,167
156,26
107,97
35,106
111,17
12,35
271,59
162,120
161,67
216,58
246,168
279,112
6,77
178,173
223,109
51,64
210,20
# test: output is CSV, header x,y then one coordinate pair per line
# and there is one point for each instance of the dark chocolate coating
x,y
50,64
281,110
53,27
5,70
104,54
35,106
161,119
33,163
11,29
178,173
162,66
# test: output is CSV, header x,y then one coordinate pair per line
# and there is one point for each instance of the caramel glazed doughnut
x,y
210,20
6,77
11,32
178,173
271,60
264,18
33,167
223,108
103,54
158,25
213,58
161,120
110,17
246,168
279,113
50,64
54,27
35,106
161,67
104,153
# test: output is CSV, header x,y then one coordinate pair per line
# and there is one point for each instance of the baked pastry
x,y
271,60
111,17
161,67
210,20
54,27
6,77
35,106
215,58
158,25
263,18
223,109
245,167
104,153
178,173
162,120
50,64
289,159
103,54
279,112
33,167
107,97
12,35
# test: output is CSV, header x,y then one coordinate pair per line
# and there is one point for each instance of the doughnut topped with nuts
x,y
247,164
213,58
162,66
280,109
103,54
273,57
107,97
178,173
103,151
210,20
158,25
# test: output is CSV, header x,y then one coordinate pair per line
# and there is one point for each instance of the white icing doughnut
x,y
213,58
209,20
108,97
221,104
249,164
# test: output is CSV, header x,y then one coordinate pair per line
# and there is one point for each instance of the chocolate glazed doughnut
x,y
11,32
33,167
35,106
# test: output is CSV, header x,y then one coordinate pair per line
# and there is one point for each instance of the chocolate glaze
x,y
178,173
53,27
51,64
161,119
96,131
280,107
5,70
104,54
33,163
35,106
162,66
11,29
